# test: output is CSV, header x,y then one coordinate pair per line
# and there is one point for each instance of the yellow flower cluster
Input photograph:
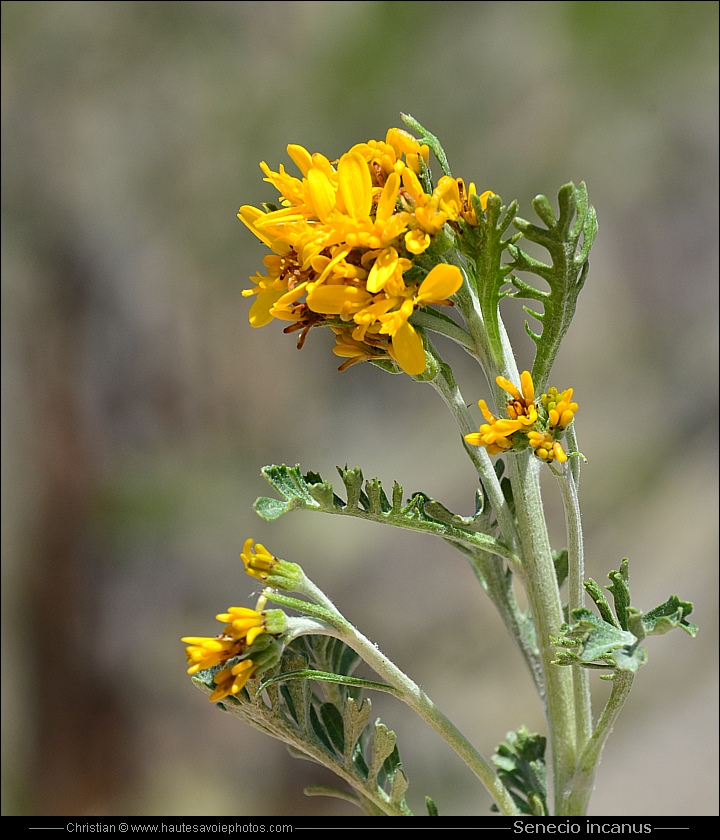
x,y
242,627
540,430
342,239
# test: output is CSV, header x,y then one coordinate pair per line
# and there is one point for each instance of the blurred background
x,y
139,405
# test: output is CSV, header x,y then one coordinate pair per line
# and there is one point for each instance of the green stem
x,y
306,587
576,600
544,597
445,385
492,571
431,320
332,623
539,572
574,464
581,785
481,348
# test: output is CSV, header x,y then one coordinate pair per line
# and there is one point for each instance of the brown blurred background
x,y
139,406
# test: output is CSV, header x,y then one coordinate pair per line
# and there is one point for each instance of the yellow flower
x,y
522,405
247,632
243,623
441,283
232,680
344,235
242,626
546,448
468,210
495,434
559,407
258,561
541,432
204,652
355,351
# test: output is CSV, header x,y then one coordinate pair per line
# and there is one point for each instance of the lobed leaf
x,y
368,500
567,238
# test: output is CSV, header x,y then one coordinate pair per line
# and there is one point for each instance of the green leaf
x,y
430,140
383,747
629,659
620,589
332,720
333,793
316,713
568,239
367,500
322,676
592,638
613,641
398,787
431,807
560,561
297,695
595,592
355,719
292,487
521,768
319,730
271,509
667,617
483,246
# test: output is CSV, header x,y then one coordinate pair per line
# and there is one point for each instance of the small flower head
x,y
258,560
243,623
495,435
204,652
247,632
546,447
232,680
260,564
560,408
521,406
264,654
525,424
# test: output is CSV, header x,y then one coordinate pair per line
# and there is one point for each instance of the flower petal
x,y
355,185
408,350
337,300
441,283
320,193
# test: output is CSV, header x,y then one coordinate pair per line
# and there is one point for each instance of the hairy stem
x,y
332,623
581,784
544,597
446,386
576,600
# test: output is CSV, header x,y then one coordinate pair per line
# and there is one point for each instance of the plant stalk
x,y
332,623
544,597
576,600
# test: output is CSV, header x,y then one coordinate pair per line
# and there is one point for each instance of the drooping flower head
x,y
528,423
344,237
245,630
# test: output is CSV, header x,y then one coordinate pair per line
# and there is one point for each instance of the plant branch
x,y
332,623
576,600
